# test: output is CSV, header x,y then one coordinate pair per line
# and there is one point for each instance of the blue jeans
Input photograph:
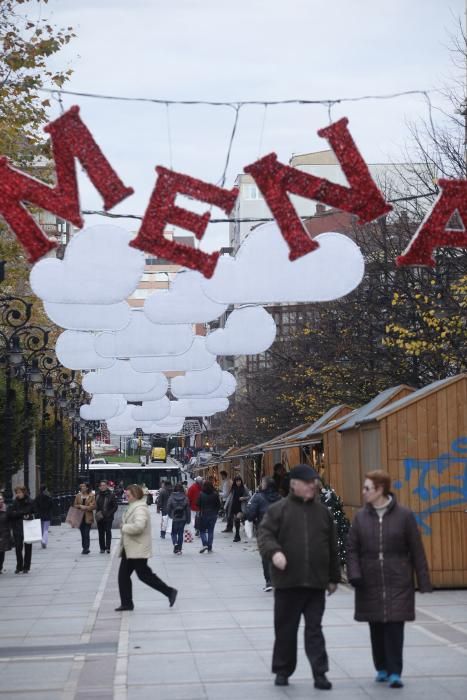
x,y
178,526
208,523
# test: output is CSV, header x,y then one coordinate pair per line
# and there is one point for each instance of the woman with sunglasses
x,y
384,549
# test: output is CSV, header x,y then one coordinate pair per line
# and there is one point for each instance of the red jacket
x,y
193,495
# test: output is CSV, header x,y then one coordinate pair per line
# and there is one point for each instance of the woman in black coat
x,y
237,502
21,509
5,532
384,549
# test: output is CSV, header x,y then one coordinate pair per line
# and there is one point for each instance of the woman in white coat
x,y
135,550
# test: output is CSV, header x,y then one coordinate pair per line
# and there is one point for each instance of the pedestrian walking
x,y
106,507
225,487
162,500
208,504
85,500
255,512
384,550
236,505
297,534
5,532
136,549
43,508
21,509
193,495
178,508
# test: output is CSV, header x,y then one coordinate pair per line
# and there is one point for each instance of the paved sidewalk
x,y
61,639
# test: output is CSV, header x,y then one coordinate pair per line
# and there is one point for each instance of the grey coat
x,y
381,560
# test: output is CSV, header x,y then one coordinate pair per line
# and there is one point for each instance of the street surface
x,y
61,639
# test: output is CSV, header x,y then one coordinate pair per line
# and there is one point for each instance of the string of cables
x,y
237,106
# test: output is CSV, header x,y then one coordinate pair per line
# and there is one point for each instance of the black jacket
x,y
209,502
259,504
21,509
106,503
43,506
163,498
304,531
5,532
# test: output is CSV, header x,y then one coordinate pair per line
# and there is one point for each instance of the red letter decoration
x,y
433,233
162,210
276,181
70,139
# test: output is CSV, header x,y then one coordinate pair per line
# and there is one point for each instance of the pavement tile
x,y
189,691
164,668
41,675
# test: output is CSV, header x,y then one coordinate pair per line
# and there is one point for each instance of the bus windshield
x,y
124,474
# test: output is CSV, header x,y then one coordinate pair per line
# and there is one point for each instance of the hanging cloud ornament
x,y
103,407
75,350
184,302
198,407
89,317
261,272
99,267
152,410
195,359
142,338
248,331
193,383
122,379
226,388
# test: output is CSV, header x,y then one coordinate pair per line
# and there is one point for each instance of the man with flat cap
x,y
298,535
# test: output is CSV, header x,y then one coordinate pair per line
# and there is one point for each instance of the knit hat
x,y
303,472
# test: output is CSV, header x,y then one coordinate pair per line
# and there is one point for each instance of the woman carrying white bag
x,y
19,512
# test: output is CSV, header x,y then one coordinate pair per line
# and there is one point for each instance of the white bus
x,y
151,475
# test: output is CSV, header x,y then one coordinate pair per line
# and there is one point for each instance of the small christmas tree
x,y
332,501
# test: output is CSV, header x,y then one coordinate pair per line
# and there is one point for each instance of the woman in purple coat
x,y
384,550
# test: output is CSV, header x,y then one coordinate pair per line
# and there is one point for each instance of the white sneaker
x,y
267,588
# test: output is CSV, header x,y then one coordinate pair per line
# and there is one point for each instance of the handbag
x,y
248,525
188,536
74,517
198,520
32,531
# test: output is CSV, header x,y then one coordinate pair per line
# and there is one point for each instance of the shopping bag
x,y
74,517
248,525
166,524
188,536
32,531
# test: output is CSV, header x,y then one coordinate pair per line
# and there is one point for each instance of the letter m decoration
x,y
70,139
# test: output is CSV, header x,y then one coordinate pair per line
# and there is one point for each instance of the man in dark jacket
x,y
162,500
106,506
298,535
255,511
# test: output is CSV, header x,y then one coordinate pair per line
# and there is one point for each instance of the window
x,y
251,192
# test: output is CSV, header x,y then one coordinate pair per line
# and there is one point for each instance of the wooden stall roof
x,y
412,398
378,402
280,440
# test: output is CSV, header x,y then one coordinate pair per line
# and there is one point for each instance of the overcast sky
x,y
248,49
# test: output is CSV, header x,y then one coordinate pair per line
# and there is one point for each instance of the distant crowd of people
x,y
297,542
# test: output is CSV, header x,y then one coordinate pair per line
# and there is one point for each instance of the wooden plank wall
x,y
425,431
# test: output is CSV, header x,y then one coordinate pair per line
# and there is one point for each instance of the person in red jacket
x,y
193,495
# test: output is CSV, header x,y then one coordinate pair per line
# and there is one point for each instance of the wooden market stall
x,y
421,440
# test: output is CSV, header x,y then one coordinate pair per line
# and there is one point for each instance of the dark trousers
x,y
178,526
289,605
2,559
143,572
23,565
85,529
104,528
387,641
266,569
208,523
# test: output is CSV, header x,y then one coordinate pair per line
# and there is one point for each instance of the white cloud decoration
x,y
152,410
198,407
142,338
89,317
261,272
99,267
195,359
75,350
248,331
226,388
193,383
103,407
122,379
184,302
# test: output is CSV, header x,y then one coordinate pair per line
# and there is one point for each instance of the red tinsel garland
x,y
276,181
162,211
433,233
70,139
